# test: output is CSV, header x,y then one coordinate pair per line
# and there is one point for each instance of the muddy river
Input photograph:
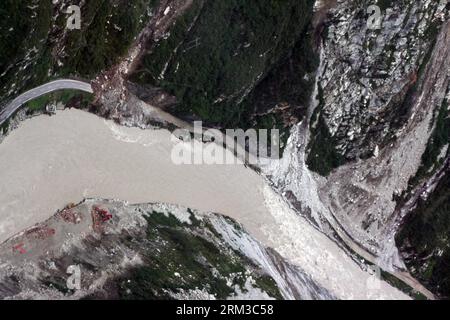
x,y
49,162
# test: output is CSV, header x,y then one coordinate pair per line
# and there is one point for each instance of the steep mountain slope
x,y
236,63
148,251
378,129
36,45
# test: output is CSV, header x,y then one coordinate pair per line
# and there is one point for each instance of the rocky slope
x,y
148,251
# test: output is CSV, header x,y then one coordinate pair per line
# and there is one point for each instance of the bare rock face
x,y
110,250
371,72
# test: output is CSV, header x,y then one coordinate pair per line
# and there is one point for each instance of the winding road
x,y
56,85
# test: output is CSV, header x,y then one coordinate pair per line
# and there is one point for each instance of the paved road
x,y
61,84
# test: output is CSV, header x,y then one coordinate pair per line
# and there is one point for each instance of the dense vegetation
x,y
24,55
178,256
219,51
424,240
12,27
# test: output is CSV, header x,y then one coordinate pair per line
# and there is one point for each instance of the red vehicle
x,y
104,214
